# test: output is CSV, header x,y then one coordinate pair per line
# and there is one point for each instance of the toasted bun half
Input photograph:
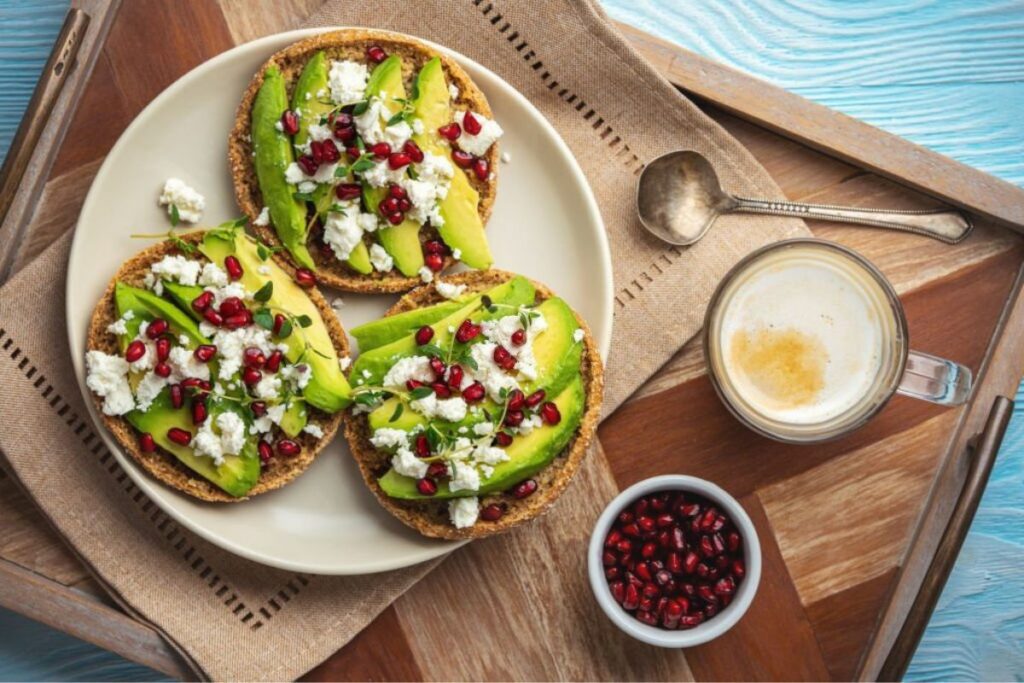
x,y
430,518
161,464
350,44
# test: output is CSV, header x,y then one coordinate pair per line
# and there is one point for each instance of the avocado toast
x,y
214,370
369,157
474,402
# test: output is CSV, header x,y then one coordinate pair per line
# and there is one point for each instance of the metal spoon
x,y
679,198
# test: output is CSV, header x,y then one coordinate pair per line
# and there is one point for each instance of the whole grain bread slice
x,y
162,465
350,44
430,518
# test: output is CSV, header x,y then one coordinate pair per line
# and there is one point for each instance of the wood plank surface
x,y
835,521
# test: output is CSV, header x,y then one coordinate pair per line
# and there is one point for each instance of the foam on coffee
x,y
803,335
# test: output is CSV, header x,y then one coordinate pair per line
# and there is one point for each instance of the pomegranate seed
x,y
213,317
725,586
719,544
462,159
329,152
308,164
471,123
437,469
413,150
549,413
163,348
618,590
501,356
690,620
389,205
266,451
438,366
706,548
162,369
236,321
473,393
397,192
689,509
233,267
467,331
433,247
651,592
524,489
422,446
381,150
426,487
202,302
424,335
146,443
397,160
632,598
177,394
346,191
481,169
707,594
708,518
274,361
643,571
535,399
279,321
156,328
612,538
514,418
739,570
674,562
231,306
450,131
455,377
253,357
353,152
516,400
288,448
251,376
376,54
690,562
646,525
204,353
258,408
434,261
191,383
394,218
199,412
441,389
179,436
703,571
519,337
289,122
346,134
413,384
648,550
678,538
502,439
305,277
625,517
492,512
631,529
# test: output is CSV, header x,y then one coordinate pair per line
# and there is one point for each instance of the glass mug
x,y
805,341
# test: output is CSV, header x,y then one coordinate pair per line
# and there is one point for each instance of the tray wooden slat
x,y
848,528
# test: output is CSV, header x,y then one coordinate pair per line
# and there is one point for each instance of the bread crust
x,y
350,43
162,465
430,518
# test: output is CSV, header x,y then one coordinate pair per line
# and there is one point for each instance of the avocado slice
x,y
235,476
401,241
294,419
462,228
528,454
558,358
313,80
182,296
385,330
371,366
273,154
328,389
147,306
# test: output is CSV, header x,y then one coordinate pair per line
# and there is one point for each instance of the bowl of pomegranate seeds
x,y
674,561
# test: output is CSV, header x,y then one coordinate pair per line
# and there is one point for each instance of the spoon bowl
x,y
678,197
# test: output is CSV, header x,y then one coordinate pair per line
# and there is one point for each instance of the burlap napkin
x,y
232,619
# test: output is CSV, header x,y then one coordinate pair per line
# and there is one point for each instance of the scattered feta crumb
x,y
577,336
478,144
457,254
176,268
189,202
107,377
505,157
463,512
453,91
406,463
337,303
448,290
279,126
314,430
410,367
426,275
347,81
381,259
264,217
344,363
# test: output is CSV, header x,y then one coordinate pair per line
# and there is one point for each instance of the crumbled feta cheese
x,y
263,269
294,175
489,455
381,175
279,126
448,409
189,202
478,144
381,259
453,91
269,387
183,339
489,373
426,275
387,439
232,343
307,186
148,388
406,463
177,268
463,512
578,335
457,254
314,430
463,429
505,157
264,424
410,367
231,290
264,217
119,326
207,329
344,363
232,432
297,376
483,428
528,425
184,364
464,477
448,290
500,332
320,132
337,303
417,126
213,276
107,377
343,230
347,81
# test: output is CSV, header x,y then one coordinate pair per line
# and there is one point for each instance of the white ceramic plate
x,y
545,225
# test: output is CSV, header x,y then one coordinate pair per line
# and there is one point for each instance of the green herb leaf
x,y
360,145
338,208
341,171
431,350
265,292
303,196
286,329
395,119
468,361
487,303
412,172
360,108
304,321
398,412
175,215
261,251
264,318
420,392
367,399
364,164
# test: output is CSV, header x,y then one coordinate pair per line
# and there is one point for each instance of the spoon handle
x,y
943,224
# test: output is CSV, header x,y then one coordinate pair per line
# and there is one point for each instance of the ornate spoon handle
x,y
943,224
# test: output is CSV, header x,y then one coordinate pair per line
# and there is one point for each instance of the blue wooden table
x,y
948,74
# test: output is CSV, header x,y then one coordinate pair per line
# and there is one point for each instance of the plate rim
x,y
147,484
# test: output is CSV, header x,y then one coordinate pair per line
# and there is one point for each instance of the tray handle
x,y
982,450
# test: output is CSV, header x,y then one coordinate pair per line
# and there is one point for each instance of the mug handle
x,y
935,379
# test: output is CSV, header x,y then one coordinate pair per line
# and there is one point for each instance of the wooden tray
x,y
858,535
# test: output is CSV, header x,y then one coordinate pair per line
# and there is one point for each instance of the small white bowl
x,y
710,629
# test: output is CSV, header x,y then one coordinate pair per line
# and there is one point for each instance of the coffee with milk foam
x,y
803,336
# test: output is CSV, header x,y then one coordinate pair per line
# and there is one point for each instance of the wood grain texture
x,y
677,425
